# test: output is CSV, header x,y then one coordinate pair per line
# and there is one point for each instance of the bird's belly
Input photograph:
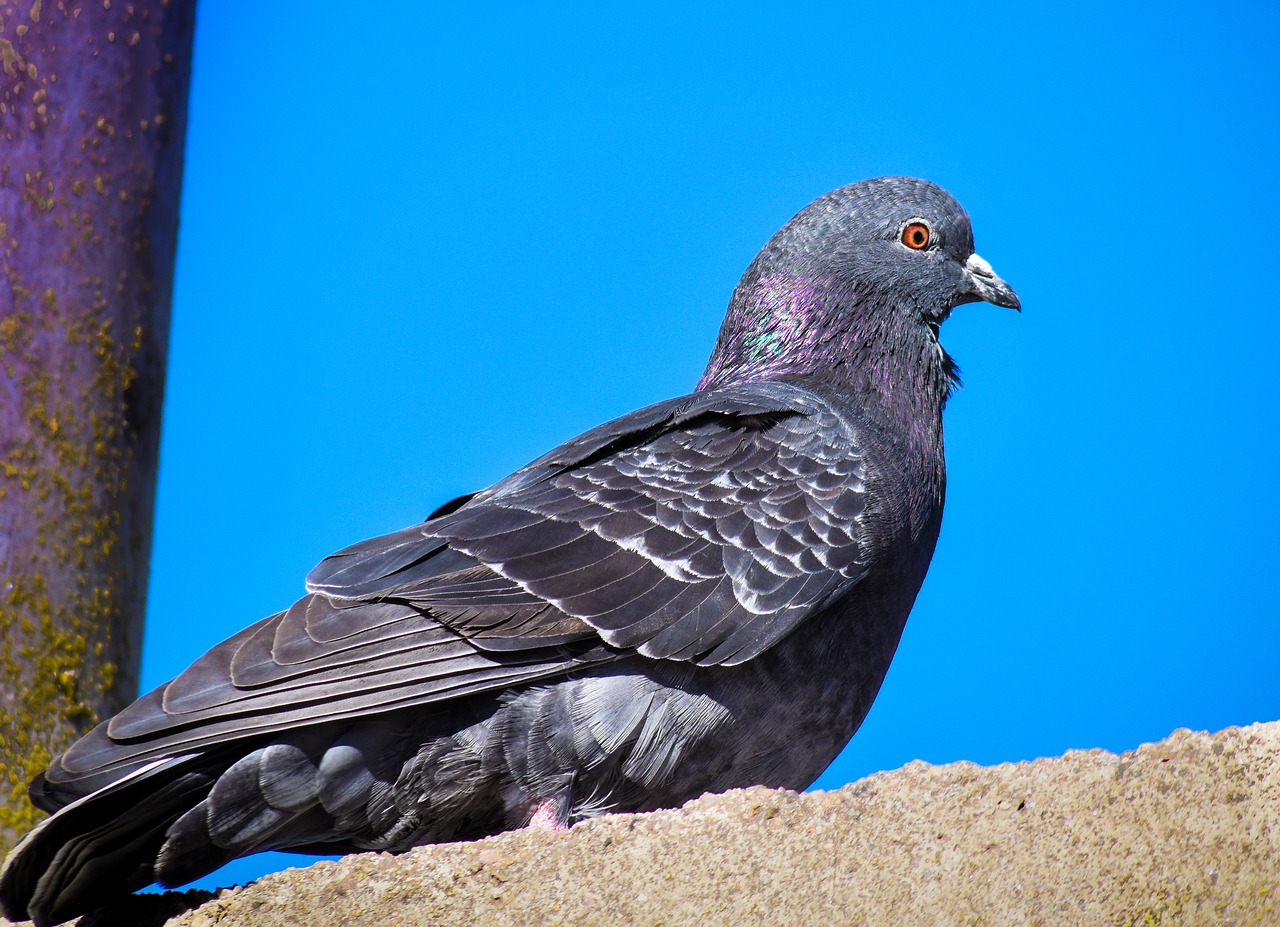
x,y
643,734
649,735
805,705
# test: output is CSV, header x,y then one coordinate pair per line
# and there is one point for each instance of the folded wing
x,y
702,529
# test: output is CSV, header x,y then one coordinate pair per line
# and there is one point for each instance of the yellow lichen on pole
x,y
91,135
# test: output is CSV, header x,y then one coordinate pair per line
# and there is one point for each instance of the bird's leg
x,y
552,813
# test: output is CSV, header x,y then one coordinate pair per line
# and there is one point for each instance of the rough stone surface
x,y
1185,831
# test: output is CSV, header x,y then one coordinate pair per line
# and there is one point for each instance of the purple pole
x,y
93,105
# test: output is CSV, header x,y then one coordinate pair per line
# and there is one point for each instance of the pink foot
x,y
547,815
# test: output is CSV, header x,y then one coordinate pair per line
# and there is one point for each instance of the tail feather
x,y
172,821
325,789
265,800
98,845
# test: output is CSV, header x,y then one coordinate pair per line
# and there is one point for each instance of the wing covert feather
x,y
748,499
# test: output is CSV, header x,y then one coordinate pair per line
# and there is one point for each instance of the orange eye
x,y
915,235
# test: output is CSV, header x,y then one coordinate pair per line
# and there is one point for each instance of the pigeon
x,y
700,595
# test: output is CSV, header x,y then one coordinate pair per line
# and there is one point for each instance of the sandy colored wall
x,y
1185,831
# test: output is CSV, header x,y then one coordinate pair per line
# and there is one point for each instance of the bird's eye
x,y
915,235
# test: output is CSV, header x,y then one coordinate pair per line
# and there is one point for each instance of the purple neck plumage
x,y
888,365
772,329
783,326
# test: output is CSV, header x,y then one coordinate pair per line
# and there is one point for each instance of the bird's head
x,y
865,272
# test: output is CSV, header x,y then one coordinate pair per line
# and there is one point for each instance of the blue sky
x,y
422,247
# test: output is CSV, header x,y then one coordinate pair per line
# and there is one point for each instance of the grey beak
x,y
988,286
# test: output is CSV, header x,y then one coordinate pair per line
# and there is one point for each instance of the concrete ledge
x,y
1185,831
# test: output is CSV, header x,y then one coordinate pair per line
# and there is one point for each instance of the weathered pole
x,y
92,123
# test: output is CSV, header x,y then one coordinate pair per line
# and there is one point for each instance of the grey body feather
x,y
703,594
